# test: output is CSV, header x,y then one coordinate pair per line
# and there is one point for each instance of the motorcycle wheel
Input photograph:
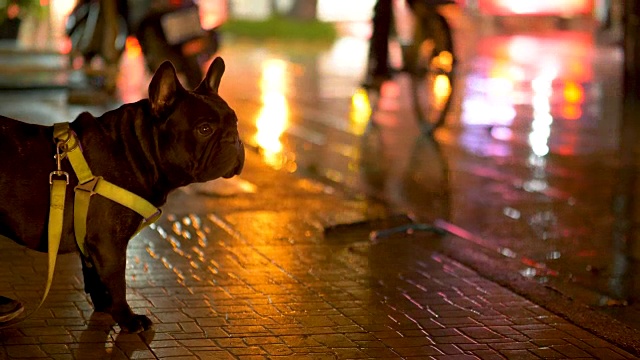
x,y
191,70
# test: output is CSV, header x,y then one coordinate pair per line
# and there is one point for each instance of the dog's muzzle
x,y
239,160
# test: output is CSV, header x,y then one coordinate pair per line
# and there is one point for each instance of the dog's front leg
x,y
93,286
108,252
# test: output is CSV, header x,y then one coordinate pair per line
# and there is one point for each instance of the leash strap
x,y
54,230
56,216
56,221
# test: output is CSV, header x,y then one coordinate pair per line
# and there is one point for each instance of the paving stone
x,y
165,352
404,342
62,357
422,351
519,355
480,333
277,349
53,349
213,355
193,343
25,351
249,350
449,349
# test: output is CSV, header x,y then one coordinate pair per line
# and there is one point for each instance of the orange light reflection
x,y
571,112
360,111
442,90
132,47
273,118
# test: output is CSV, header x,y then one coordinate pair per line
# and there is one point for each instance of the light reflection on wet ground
x,y
529,160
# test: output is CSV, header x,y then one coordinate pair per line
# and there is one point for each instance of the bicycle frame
x,y
427,55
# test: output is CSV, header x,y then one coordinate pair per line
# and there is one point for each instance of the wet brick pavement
x,y
256,270
265,269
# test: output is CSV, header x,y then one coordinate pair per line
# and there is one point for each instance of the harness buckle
x,y
67,143
58,173
89,186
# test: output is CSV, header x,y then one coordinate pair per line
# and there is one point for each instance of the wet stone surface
x,y
268,281
532,166
534,159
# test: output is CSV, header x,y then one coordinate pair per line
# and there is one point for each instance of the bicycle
x,y
430,61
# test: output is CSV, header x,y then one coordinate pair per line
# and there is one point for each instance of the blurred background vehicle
x,y
165,30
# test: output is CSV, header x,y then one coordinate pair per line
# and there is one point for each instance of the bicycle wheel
x,y
432,71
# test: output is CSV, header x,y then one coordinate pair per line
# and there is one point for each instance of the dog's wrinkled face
x,y
197,134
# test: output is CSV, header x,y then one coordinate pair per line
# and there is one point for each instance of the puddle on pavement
x,y
221,187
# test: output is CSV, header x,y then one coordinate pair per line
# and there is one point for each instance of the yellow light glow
x,y
272,120
360,111
441,89
444,61
573,92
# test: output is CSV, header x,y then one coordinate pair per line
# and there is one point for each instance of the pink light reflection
x,y
502,133
536,7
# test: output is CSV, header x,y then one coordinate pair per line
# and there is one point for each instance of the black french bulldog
x,y
150,147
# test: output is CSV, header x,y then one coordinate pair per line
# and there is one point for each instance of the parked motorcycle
x,y
166,30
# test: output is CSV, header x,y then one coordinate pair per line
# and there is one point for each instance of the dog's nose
x,y
237,169
240,165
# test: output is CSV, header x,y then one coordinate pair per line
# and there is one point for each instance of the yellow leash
x,y
67,145
56,217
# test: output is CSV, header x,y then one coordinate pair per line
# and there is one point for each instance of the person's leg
x,y
9,309
378,66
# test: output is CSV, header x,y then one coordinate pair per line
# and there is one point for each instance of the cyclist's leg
x,y
423,38
378,68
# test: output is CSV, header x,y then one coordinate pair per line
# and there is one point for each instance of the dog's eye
x,y
205,129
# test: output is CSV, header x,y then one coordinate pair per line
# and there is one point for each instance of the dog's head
x,y
197,132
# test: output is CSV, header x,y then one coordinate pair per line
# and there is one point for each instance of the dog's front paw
x,y
136,324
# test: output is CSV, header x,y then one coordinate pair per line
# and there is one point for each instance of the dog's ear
x,y
163,89
211,81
